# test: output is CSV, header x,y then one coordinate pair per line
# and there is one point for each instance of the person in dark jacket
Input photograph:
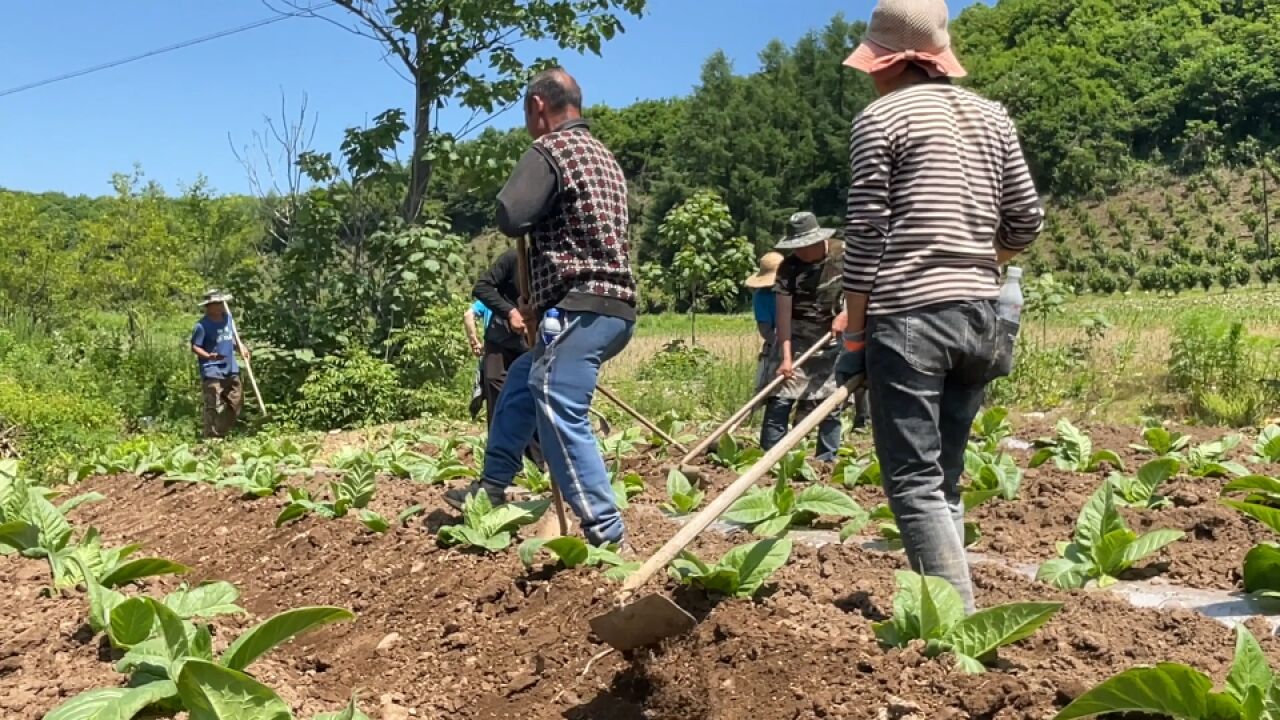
x,y
568,194
504,338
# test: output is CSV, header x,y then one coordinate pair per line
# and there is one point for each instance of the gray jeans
x,y
928,370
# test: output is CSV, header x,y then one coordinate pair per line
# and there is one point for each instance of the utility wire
x,y
158,51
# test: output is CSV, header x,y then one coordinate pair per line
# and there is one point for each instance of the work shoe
x,y
457,497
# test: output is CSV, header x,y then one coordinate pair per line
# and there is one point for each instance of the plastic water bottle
x,y
1009,306
553,326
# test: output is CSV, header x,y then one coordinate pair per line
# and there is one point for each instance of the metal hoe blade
x,y
647,621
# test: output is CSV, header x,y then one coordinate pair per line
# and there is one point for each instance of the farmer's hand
x,y
477,348
214,356
786,369
245,352
515,319
840,324
853,357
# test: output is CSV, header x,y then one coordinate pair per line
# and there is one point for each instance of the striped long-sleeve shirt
x,y
939,180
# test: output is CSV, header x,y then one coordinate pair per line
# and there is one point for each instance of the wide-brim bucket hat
x,y
804,230
768,273
903,31
215,296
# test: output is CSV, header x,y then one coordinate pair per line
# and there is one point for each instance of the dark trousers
x,y
777,422
928,370
494,365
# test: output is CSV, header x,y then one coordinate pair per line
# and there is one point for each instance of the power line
x,y
159,51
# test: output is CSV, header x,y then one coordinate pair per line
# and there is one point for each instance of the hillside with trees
x,y
1149,124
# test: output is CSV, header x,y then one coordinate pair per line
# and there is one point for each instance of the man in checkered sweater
x,y
570,197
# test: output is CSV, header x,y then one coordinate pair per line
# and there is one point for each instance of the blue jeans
x,y
777,422
928,371
549,389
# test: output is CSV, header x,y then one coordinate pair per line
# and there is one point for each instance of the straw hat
x,y
803,230
769,263
215,296
903,31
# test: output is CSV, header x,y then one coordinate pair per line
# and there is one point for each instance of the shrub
x,y
54,427
1218,367
349,389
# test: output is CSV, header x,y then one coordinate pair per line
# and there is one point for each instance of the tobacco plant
x,y
534,479
254,477
730,454
852,469
1267,447
930,609
1102,546
1071,450
134,457
771,511
574,552
741,572
674,428
794,467
1177,691
354,490
683,496
622,444
997,473
174,668
1262,503
1139,491
1161,441
626,484
1210,459
990,428
488,528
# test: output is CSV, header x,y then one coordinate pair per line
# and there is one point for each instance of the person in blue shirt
x,y
214,341
477,311
764,306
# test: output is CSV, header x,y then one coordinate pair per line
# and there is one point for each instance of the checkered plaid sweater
x,y
580,257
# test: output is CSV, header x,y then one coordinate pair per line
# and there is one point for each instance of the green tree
x,y
708,263
463,52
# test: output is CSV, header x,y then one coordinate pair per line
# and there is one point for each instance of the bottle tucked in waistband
x,y
552,326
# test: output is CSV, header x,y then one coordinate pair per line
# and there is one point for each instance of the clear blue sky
x,y
172,113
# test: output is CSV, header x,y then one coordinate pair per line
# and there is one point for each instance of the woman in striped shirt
x,y
940,197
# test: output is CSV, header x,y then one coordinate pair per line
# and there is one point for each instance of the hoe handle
x,y
710,513
524,283
613,397
737,418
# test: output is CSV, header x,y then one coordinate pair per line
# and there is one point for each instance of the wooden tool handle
x,y
613,397
737,418
710,513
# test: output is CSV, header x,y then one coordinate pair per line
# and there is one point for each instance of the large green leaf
x,y
1154,473
138,569
1167,690
153,653
112,703
70,504
1250,669
571,551
934,612
1262,568
909,621
19,535
756,507
976,498
261,638
1148,544
826,500
1063,573
55,531
996,627
1257,485
774,526
172,630
755,562
1098,517
1268,516
130,622
212,692
1109,553
206,600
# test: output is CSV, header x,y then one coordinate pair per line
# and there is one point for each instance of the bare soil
x,y
447,634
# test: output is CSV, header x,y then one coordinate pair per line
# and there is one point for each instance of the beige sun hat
x,y
908,31
768,274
